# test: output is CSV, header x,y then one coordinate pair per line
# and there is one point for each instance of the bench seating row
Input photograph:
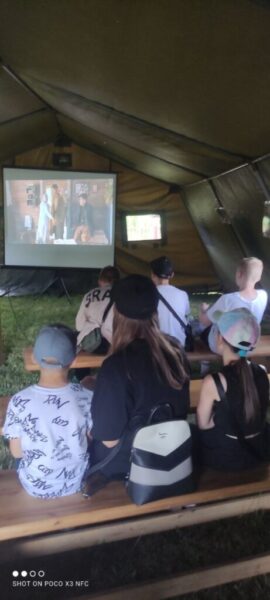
x,y
201,353
33,527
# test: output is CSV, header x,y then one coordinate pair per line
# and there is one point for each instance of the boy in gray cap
x,y
47,424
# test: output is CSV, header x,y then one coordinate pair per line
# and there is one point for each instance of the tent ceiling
x,y
178,90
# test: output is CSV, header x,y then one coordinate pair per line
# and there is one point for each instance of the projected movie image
x,y
52,213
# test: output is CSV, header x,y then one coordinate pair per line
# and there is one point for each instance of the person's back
x,y
48,423
93,307
233,403
248,274
144,369
161,274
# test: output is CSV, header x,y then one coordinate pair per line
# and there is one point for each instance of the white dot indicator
x,y
24,573
15,573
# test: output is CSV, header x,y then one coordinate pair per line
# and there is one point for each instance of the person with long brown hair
x,y
145,368
231,413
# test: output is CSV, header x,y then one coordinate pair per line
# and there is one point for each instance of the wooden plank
x,y
189,582
82,360
22,515
91,536
201,353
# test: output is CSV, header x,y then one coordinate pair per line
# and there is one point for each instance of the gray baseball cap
x,y
55,346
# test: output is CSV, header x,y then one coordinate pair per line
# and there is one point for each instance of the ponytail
x,y
252,407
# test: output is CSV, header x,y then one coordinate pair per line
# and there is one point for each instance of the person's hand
x,y
203,318
88,382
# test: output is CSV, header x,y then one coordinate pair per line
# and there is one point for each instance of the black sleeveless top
x,y
235,402
218,450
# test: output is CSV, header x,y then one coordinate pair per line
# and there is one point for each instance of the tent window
x,y
143,227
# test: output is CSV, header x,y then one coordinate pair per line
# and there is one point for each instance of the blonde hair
x,y
168,359
251,269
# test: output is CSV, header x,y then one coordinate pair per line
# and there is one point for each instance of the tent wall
x,y
136,191
242,197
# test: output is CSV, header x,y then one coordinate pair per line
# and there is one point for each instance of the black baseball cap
x,y
135,297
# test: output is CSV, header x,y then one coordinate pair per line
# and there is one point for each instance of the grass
x,y
150,557
21,319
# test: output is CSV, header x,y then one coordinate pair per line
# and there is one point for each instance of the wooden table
x,y
201,353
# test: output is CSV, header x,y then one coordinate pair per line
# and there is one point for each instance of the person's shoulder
x,y
262,294
172,290
77,390
25,392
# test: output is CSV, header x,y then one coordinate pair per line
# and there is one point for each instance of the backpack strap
x,y
171,309
106,311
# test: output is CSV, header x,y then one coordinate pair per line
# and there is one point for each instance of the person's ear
x,y
220,342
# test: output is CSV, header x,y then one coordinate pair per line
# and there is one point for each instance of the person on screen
x,y
81,213
82,235
48,424
44,219
58,212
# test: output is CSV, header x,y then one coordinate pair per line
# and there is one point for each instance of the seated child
x,y
248,273
232,409
47,424
96,311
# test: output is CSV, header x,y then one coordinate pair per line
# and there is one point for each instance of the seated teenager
x,y
48,424
231,413
248,274
170,298
145,369
93,313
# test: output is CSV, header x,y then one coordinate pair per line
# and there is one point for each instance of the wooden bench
x,y
201,353
33,527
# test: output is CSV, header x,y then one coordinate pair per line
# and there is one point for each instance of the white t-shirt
x,y
52,425
178,300
230,302
91,311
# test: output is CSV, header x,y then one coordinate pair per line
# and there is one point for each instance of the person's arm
x,y
110,404
15,447
81,318
110,444
206,311
187,311
203,317
205,406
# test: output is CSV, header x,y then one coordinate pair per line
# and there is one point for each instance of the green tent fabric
x,y
172,90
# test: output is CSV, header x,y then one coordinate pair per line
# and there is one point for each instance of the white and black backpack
x,y
160,459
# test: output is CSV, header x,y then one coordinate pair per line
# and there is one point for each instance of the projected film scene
x,y
51,210
60,212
